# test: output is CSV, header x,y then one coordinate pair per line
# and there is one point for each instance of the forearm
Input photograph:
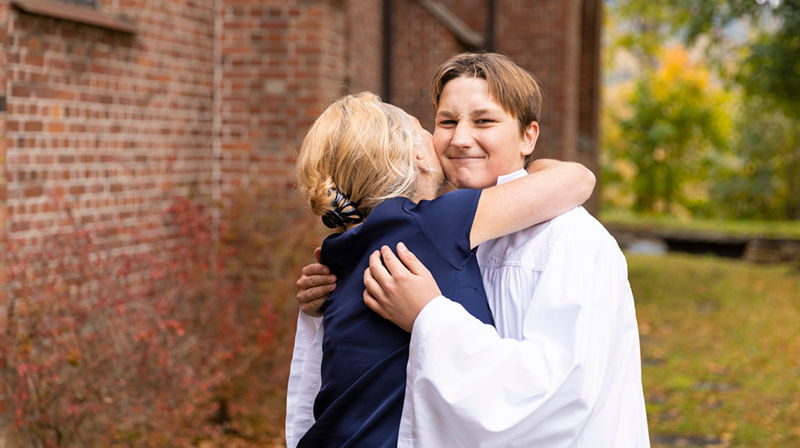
x,y
484,388
552,188
304,378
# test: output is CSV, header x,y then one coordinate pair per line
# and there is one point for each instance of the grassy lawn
x,y
721,350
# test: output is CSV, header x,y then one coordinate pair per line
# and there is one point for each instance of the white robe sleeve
x,y
304,378
468,387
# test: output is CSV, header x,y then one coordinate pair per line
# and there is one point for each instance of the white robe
x,y
561,368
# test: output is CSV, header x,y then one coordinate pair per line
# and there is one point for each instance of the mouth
x,y
464,159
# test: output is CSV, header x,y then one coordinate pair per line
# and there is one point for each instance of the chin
x,y
474,183
469,179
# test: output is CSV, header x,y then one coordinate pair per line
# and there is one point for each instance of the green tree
x,y
766,66
772,70
751,180
674,120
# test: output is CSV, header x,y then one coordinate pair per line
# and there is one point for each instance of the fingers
x,y
378,270
316,293
313,288
411,261
369,281
373,304
312,281
373,294
393,264
371,285
313,308
315,269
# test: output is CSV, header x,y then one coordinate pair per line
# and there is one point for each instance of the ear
x,y
529,138
420,162
418,155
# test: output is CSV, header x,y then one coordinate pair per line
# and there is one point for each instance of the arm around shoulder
x,y
551,188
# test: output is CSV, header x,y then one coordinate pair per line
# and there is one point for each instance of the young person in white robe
x,y
562,367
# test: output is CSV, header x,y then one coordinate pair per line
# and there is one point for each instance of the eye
x,y
446,123
484,121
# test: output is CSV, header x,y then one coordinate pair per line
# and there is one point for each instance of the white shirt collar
x,y
509,177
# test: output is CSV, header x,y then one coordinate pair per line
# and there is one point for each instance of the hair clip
x,y
344,211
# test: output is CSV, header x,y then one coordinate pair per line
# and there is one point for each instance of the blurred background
x,y
150,235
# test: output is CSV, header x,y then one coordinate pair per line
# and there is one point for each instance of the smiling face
x,y
475,139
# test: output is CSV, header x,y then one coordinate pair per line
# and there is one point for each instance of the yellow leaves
x,y
727,436
716,368
677,67
674,61
616,106
625,168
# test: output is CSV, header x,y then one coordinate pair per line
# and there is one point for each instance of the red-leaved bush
x,y
177,336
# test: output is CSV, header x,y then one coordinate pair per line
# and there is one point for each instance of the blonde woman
x,y
370,171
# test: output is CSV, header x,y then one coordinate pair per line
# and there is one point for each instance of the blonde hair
x,y
512,86
362,147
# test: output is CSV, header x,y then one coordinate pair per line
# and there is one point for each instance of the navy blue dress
x,y
364,356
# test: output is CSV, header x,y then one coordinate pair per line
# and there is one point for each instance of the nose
x,y
462,135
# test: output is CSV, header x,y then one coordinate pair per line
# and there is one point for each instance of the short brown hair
x,y
512,86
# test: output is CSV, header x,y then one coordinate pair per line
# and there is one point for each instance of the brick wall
x,y
364,35
4,38
280,64
216,95
420,44
539,36
103,122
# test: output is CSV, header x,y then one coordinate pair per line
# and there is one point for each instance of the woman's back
x,y
364,355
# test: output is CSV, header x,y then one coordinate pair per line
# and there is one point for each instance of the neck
x,y
428,188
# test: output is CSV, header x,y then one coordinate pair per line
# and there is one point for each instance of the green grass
x,y
721,348
761,229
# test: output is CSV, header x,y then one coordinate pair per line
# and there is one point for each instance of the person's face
x,y
475,139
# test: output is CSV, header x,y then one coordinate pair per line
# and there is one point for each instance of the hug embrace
x,y
465,298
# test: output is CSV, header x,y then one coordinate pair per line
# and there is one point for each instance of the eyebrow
x,y
474,113
482,112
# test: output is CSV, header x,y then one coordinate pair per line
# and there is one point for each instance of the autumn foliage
x,y
179,336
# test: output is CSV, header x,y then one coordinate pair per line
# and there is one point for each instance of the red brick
x,y
55,127
33,126
34,191
140,114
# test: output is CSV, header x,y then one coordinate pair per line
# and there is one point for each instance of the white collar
x,y
509,177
